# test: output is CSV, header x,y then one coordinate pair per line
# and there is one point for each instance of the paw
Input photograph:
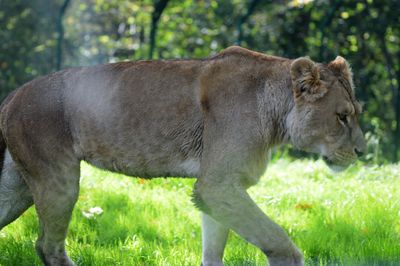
x,y
291,258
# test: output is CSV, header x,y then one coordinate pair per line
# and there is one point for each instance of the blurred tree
x,y
159,6
27,49
250,9
60,29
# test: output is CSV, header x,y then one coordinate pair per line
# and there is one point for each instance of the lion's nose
x,y
359,152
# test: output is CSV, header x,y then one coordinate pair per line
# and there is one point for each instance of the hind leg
x,y
55,193
15,196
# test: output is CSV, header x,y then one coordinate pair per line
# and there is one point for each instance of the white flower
x,y
93,212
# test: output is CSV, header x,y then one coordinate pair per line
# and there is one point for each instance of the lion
x,y
215,119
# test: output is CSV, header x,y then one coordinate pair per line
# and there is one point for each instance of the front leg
x,y
214,236
236,139
231,206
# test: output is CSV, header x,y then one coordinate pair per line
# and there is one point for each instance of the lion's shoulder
x,y
237,51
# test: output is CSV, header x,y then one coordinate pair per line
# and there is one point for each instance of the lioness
x,y
215,119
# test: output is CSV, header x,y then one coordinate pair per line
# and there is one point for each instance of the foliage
x,y
336,219
98,31
26,48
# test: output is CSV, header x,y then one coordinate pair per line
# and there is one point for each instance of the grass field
x,y
351,218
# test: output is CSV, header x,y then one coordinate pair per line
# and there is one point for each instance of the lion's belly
x,y
156,149
160,148
174,168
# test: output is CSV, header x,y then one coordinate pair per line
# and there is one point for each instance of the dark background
x,y
41,36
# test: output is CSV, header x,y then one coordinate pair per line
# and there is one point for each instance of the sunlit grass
x,y
351,218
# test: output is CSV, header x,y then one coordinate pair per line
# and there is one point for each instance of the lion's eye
x,y
343,118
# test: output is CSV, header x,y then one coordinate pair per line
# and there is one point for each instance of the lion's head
x,y
324,119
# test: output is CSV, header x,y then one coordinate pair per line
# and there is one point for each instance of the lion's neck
x,y
275,102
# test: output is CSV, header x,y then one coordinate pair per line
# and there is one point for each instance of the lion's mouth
x,y
338,163
326,159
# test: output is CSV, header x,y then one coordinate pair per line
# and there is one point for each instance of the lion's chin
x,y
334,166
337,168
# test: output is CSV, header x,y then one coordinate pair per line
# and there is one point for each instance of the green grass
x,y
351,218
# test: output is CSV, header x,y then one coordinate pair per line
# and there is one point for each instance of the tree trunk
x,y
60,37
159,6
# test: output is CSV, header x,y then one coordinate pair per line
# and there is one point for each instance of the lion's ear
x,y
341,67
306,79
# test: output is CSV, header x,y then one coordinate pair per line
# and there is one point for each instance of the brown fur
x,y
215,119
